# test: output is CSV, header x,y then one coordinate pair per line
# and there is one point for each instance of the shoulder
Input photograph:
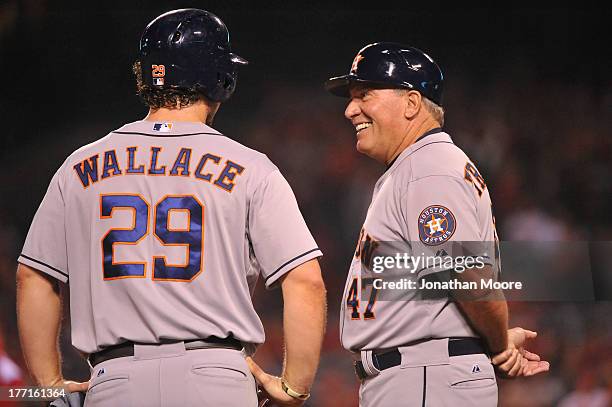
x,y
93,148
85,152
88,149
249,155
437,159
434,162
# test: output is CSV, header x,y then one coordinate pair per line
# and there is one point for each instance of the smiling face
x,y
378,116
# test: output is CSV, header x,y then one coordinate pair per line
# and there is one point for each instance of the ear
x,y
213,108
412,103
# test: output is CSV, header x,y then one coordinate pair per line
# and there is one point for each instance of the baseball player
x,y
433,201
161,229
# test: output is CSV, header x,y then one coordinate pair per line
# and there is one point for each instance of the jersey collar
x,y
432,136
166,129
428,133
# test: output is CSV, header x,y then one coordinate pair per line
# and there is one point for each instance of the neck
x,y
195,112
413,132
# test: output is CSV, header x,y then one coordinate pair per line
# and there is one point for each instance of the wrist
x,y
296,393
512,341
51,382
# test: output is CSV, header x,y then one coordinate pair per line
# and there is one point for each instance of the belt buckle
x,y
359,370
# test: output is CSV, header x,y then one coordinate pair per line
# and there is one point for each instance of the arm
x,y
487,312
304,327
304,324
512,360
490,320
485,309
38,318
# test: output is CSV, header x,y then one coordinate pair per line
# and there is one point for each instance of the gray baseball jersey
x,y
431,197
162,230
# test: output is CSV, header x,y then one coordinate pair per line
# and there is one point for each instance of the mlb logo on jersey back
x,y
436,225
158,81
162,127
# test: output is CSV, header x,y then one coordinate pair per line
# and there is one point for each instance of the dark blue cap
x,y
392,65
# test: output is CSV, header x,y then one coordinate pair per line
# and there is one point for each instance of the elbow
x,y
31,279
317,286
305,277
24,273
313,281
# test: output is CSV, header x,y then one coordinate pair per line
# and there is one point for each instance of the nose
x,y
352,109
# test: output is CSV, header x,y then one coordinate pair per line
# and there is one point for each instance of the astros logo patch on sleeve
x,y
436,225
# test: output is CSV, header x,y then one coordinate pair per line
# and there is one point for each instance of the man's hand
x,y
516,360
70,386
508,363
271,387
532,364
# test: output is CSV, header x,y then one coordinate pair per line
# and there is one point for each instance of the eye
x,y
359,93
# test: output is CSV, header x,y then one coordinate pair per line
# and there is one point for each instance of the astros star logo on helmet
x,y
358,58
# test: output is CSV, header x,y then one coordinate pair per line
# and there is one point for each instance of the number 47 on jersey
x,y
352,298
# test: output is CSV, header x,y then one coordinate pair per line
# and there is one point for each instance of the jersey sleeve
x,y
279,236
443,224
45,246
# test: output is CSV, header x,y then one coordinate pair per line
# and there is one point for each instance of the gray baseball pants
x,y
428,376
167,375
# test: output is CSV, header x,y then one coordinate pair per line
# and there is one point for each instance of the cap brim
x,y
238,60
338,85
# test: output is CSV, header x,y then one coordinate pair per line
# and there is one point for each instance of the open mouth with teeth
x,y
362,126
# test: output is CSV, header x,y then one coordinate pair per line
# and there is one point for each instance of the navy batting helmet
x,y
189,48
392,65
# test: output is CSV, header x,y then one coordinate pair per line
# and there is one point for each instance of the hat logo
x,y
158,72
358,58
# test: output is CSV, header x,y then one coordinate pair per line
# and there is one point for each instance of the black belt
x,y
127,348
385,360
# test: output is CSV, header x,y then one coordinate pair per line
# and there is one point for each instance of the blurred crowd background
x,y
528,97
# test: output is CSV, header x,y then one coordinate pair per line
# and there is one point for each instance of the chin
x,y
367,149
359,146
363,148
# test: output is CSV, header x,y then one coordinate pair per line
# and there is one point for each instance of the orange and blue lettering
x,y
131,158
198,171
87,170
182,162
110,164
153,170
226,178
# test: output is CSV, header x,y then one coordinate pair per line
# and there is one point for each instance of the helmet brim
x,y
340,85
237,59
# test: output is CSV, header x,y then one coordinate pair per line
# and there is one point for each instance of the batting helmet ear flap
x,y
229,82
221,89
